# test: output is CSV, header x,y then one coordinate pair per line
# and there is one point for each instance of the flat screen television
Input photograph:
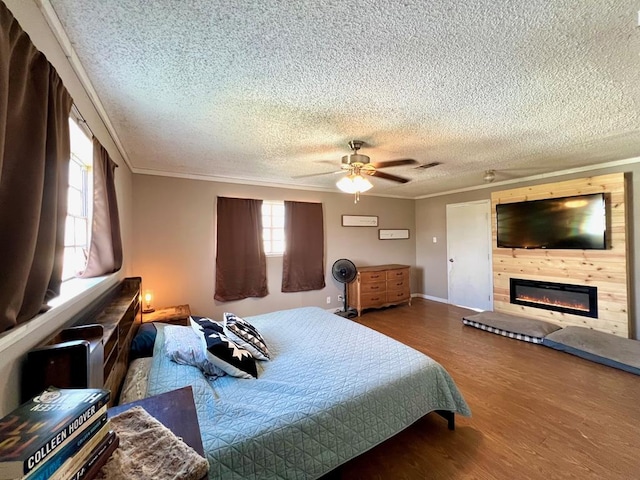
x,y
578,222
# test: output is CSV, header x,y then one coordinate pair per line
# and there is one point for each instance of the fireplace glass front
x,y
560,297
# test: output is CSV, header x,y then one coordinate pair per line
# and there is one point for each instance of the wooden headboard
x,y
94,351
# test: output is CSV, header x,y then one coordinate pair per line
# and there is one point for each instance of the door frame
x,y
489,218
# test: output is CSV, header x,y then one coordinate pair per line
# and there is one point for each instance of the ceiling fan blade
x,y
395,163
318,174
387,176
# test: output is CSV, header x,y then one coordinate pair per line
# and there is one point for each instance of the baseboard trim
x,y
429,297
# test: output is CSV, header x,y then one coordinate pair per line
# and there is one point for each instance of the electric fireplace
x,y
560,297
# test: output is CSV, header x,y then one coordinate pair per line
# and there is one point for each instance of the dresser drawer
x,y
373,299
372,277
398,274
398,284
398,295
378,287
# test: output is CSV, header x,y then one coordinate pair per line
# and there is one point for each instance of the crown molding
x,y
50,16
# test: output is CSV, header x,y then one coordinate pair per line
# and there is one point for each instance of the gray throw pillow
x,y
183,345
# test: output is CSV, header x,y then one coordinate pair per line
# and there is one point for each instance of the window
x,y
273,227
78,223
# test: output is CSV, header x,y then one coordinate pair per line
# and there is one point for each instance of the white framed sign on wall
x,y
393,233
359,220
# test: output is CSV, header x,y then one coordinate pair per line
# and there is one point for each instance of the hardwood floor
x,y
537,413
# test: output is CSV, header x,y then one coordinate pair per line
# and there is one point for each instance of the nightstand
x,y
175,410
178,315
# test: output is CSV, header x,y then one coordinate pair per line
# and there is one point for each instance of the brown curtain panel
x,y
34,170
105,250
303,262
241,265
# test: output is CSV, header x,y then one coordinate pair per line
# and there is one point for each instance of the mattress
x,y
332,390
512,326
600,347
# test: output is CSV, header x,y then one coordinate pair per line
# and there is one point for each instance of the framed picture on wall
x,y
393,234
359,220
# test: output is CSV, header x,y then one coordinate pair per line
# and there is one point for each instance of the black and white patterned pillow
x,y
245,335
222,351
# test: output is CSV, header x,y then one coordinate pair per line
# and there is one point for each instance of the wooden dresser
x,y
379,286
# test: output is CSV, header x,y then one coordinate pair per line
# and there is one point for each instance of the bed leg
x,y
450,417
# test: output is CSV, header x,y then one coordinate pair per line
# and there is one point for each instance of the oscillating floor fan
x,y
344,271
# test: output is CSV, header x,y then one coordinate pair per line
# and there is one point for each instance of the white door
x,y
469,254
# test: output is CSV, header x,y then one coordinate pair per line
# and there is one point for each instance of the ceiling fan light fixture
x,y
346,185
354,184
489,176
361,184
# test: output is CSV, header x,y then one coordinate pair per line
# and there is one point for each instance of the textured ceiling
x,y
269,90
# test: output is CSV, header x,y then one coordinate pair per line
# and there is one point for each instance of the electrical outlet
x,y
328,300
340,298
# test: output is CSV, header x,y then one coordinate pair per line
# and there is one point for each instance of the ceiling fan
x,y
356,163
357,166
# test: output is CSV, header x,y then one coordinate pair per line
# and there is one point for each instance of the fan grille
x,y
344,270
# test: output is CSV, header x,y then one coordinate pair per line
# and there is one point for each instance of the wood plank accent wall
x,y
604,269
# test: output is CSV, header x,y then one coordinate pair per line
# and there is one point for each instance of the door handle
x,y
451,260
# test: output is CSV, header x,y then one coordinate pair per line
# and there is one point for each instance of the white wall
x,y
174,243
16,342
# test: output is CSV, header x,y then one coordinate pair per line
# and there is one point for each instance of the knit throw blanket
x,y
149,450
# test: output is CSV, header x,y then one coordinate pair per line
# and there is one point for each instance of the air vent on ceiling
x,y
424,166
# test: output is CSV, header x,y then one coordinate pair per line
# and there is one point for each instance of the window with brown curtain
x,y
34,168
241,264
105,250
303,261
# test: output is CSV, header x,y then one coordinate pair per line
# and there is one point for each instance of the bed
x,y
332,390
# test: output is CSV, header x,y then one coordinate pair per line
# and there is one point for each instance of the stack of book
x,y
60,434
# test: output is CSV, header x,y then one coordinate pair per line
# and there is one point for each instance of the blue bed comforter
x,y
332,390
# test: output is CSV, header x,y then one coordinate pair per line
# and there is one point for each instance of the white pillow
x,y
183,345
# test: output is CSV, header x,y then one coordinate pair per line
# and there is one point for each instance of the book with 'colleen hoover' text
x,y
38,427
73,446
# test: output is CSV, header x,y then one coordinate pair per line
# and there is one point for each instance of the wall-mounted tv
x,y
578,222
